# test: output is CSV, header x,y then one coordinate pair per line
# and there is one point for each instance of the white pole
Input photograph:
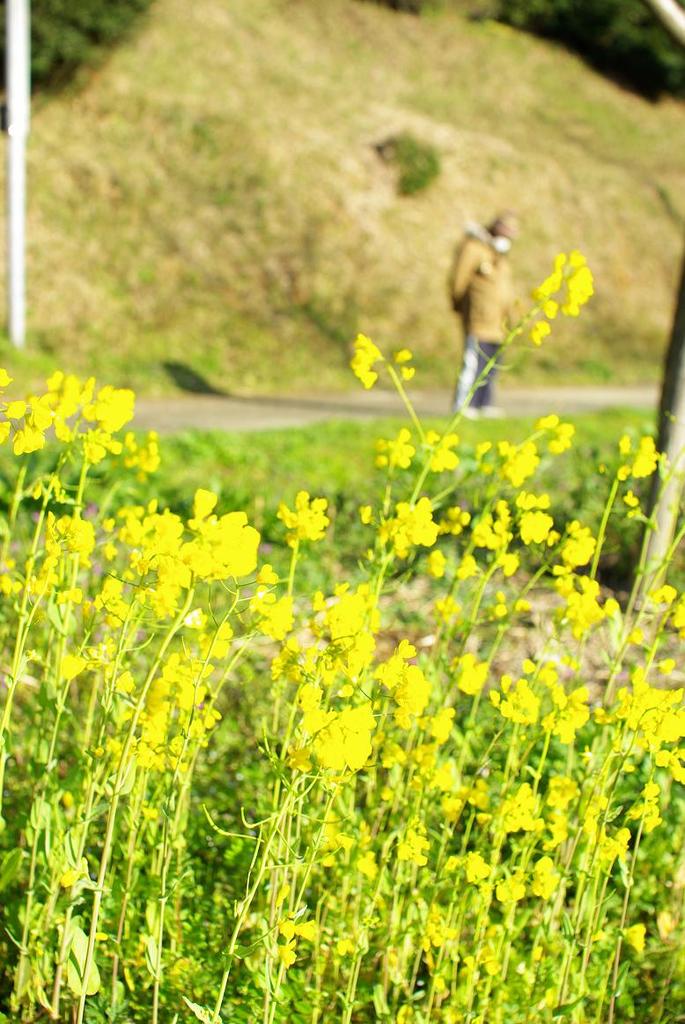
x,y
17,71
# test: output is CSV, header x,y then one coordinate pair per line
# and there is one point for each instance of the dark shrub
x,y
418,163
621,37
68,33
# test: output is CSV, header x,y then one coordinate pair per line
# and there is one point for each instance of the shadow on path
x,y
189,380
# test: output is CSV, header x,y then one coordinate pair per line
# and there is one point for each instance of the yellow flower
x,y
436,564
613,847
345,738
395,454
454,521
534,527
558,831
299,760
446,608
28,439
307,930
413,846
492,530
411,526
204,504
561,441
571,274
266,577
579,286
649,810
477,869
366,354
663,595
223,546
519,811
635,937
571,712
519,461
275,614
545,878
72,666
646,459
367,865
561,792
539,331
579,545
442,457
509,563
520,705
666,924
512,889
471,674
72,875
440,726
124,683
15,410
286,953
308,521
467,568
112,408
583,610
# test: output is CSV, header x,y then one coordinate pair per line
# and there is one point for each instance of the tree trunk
x,y
671,440
665,501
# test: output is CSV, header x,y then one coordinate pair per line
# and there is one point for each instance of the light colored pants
x,y
477,354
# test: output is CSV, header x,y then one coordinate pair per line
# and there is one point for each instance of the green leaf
x,y
151,956
201,1012
9,867
567,1008
40,814
70,850
76,966
58,623
129,777
380,1004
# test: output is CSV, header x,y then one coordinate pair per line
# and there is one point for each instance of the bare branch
x,y
672,16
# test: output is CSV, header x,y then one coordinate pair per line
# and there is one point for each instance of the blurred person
x,y
481,292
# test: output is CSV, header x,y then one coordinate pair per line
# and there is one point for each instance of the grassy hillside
x,y
211,197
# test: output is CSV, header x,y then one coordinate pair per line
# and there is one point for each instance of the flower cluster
x,y
565,291
307,521
440,784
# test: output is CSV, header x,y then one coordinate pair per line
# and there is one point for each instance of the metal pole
x,y
18,111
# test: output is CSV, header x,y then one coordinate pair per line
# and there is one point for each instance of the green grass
x,y
255,471
335,458
176,214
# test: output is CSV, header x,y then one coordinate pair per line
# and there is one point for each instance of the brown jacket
x,y
481,287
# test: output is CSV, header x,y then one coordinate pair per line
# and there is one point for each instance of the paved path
x,y
219,412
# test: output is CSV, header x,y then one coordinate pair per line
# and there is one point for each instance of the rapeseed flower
x,y
366,355
307,521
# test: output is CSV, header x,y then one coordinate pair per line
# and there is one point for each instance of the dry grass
x,y
211,195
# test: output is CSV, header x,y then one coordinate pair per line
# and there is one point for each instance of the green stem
x,y
124,765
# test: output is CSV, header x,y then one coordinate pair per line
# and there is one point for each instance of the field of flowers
x,y
444,786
